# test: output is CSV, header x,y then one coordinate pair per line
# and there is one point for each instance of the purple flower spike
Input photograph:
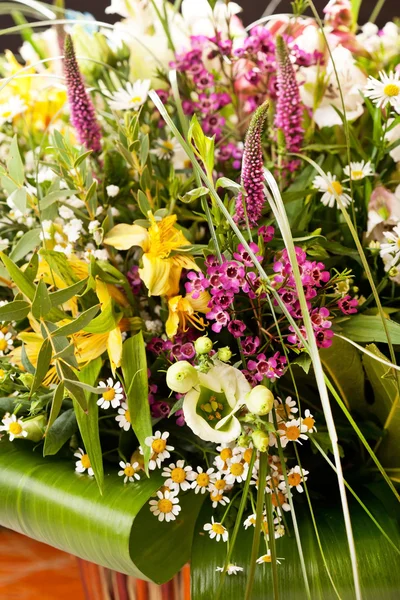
x,y
83,116
252,171
289,110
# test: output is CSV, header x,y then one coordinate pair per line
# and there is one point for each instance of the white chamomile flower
x,y
165,148
309,421
294,431
178,476
237,470
129,471
13,426
132,97
224,456
216,530
166,506
385,90
202,480
250,521
219,483
6,343
10,109
112,395
83,464
359,170
295,478
230,569
391,247
112,191
123,417
330,188
266,558
159,447
218,498
285,410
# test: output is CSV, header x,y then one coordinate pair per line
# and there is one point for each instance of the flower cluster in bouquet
x,y
200,231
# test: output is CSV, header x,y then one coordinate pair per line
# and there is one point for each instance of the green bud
x,y
27,379
243,441
393,272
260,400
225,354
203,345
260,440
181,377
35,428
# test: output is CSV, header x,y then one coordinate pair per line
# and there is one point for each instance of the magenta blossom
x,y
348,305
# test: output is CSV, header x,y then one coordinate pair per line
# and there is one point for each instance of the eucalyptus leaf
x,y
61,296
41,304
14,163
52,197
143,203
60,432
67,375
14,311
77,324
368,328
18,199
28,242
18,277
58,262
56,403
43,363
104,322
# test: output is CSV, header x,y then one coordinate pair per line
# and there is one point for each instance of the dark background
x,y
252,10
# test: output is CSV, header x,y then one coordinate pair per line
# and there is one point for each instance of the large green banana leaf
x,y
45,499
378,562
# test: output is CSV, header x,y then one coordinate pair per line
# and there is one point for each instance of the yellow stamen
x,y
309,422
109,395
218,528
336,187
292,432
178,475
237,469
15,428
158,445
391,90
129,471
85,460
294,479
3,345
164,505
202,479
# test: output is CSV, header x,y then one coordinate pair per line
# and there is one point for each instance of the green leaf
x,y
134,370
380,578
41,304
193,195
68,376
60,432
18,277
105,322
32,268
58,262
26,363
28,242
45,499
386,406
143,203
203,145
228,184
88,421
79,323
303,360
61,296
369,328
18,199
14,163
14,311
43,363
342,364
52,197
56,404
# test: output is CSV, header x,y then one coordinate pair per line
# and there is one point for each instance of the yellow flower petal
x,y
156,275
123,237
114,348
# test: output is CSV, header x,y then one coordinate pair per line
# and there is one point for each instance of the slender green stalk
x,y
271,537
377,9
262,476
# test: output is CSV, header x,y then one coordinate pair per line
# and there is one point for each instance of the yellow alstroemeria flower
x,y
186,309
161,272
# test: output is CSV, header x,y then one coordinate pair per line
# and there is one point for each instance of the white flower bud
x,y
203,345
260,400
260,440
182,377
225,354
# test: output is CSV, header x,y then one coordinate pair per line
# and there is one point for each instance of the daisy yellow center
x,y
252,521
309,422
237,469
4,329
15,428
294,479
168,145
6,114
215,497
165,505
202,479
128,416
85,460
266,558
225,454
357,174
391,89
398,243
218,528
158,446
292,432
178,475
247,455
136,99
337,187
220,484
278,499
109,395
3,344
129,471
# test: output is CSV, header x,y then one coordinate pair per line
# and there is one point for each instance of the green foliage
x,y
369,328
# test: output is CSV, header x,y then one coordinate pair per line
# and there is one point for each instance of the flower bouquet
x,y
200,238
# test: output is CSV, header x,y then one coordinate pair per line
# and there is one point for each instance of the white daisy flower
x,y
6,343
216,530
166,507
10,109
295,479
165,148
112,395
219,483
330,186
178,476
294,431
359,170
230,569
123,417
309,421
218,498
129,471
225,454
250,521
266,558
83,464
159,447
285,410
202,480
13,426
391,247
384,91
112,191
132,97
237,470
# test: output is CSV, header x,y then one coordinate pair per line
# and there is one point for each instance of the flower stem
x,y
271,536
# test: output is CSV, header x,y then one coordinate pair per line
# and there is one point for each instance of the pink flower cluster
x,y
313,277
261,367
